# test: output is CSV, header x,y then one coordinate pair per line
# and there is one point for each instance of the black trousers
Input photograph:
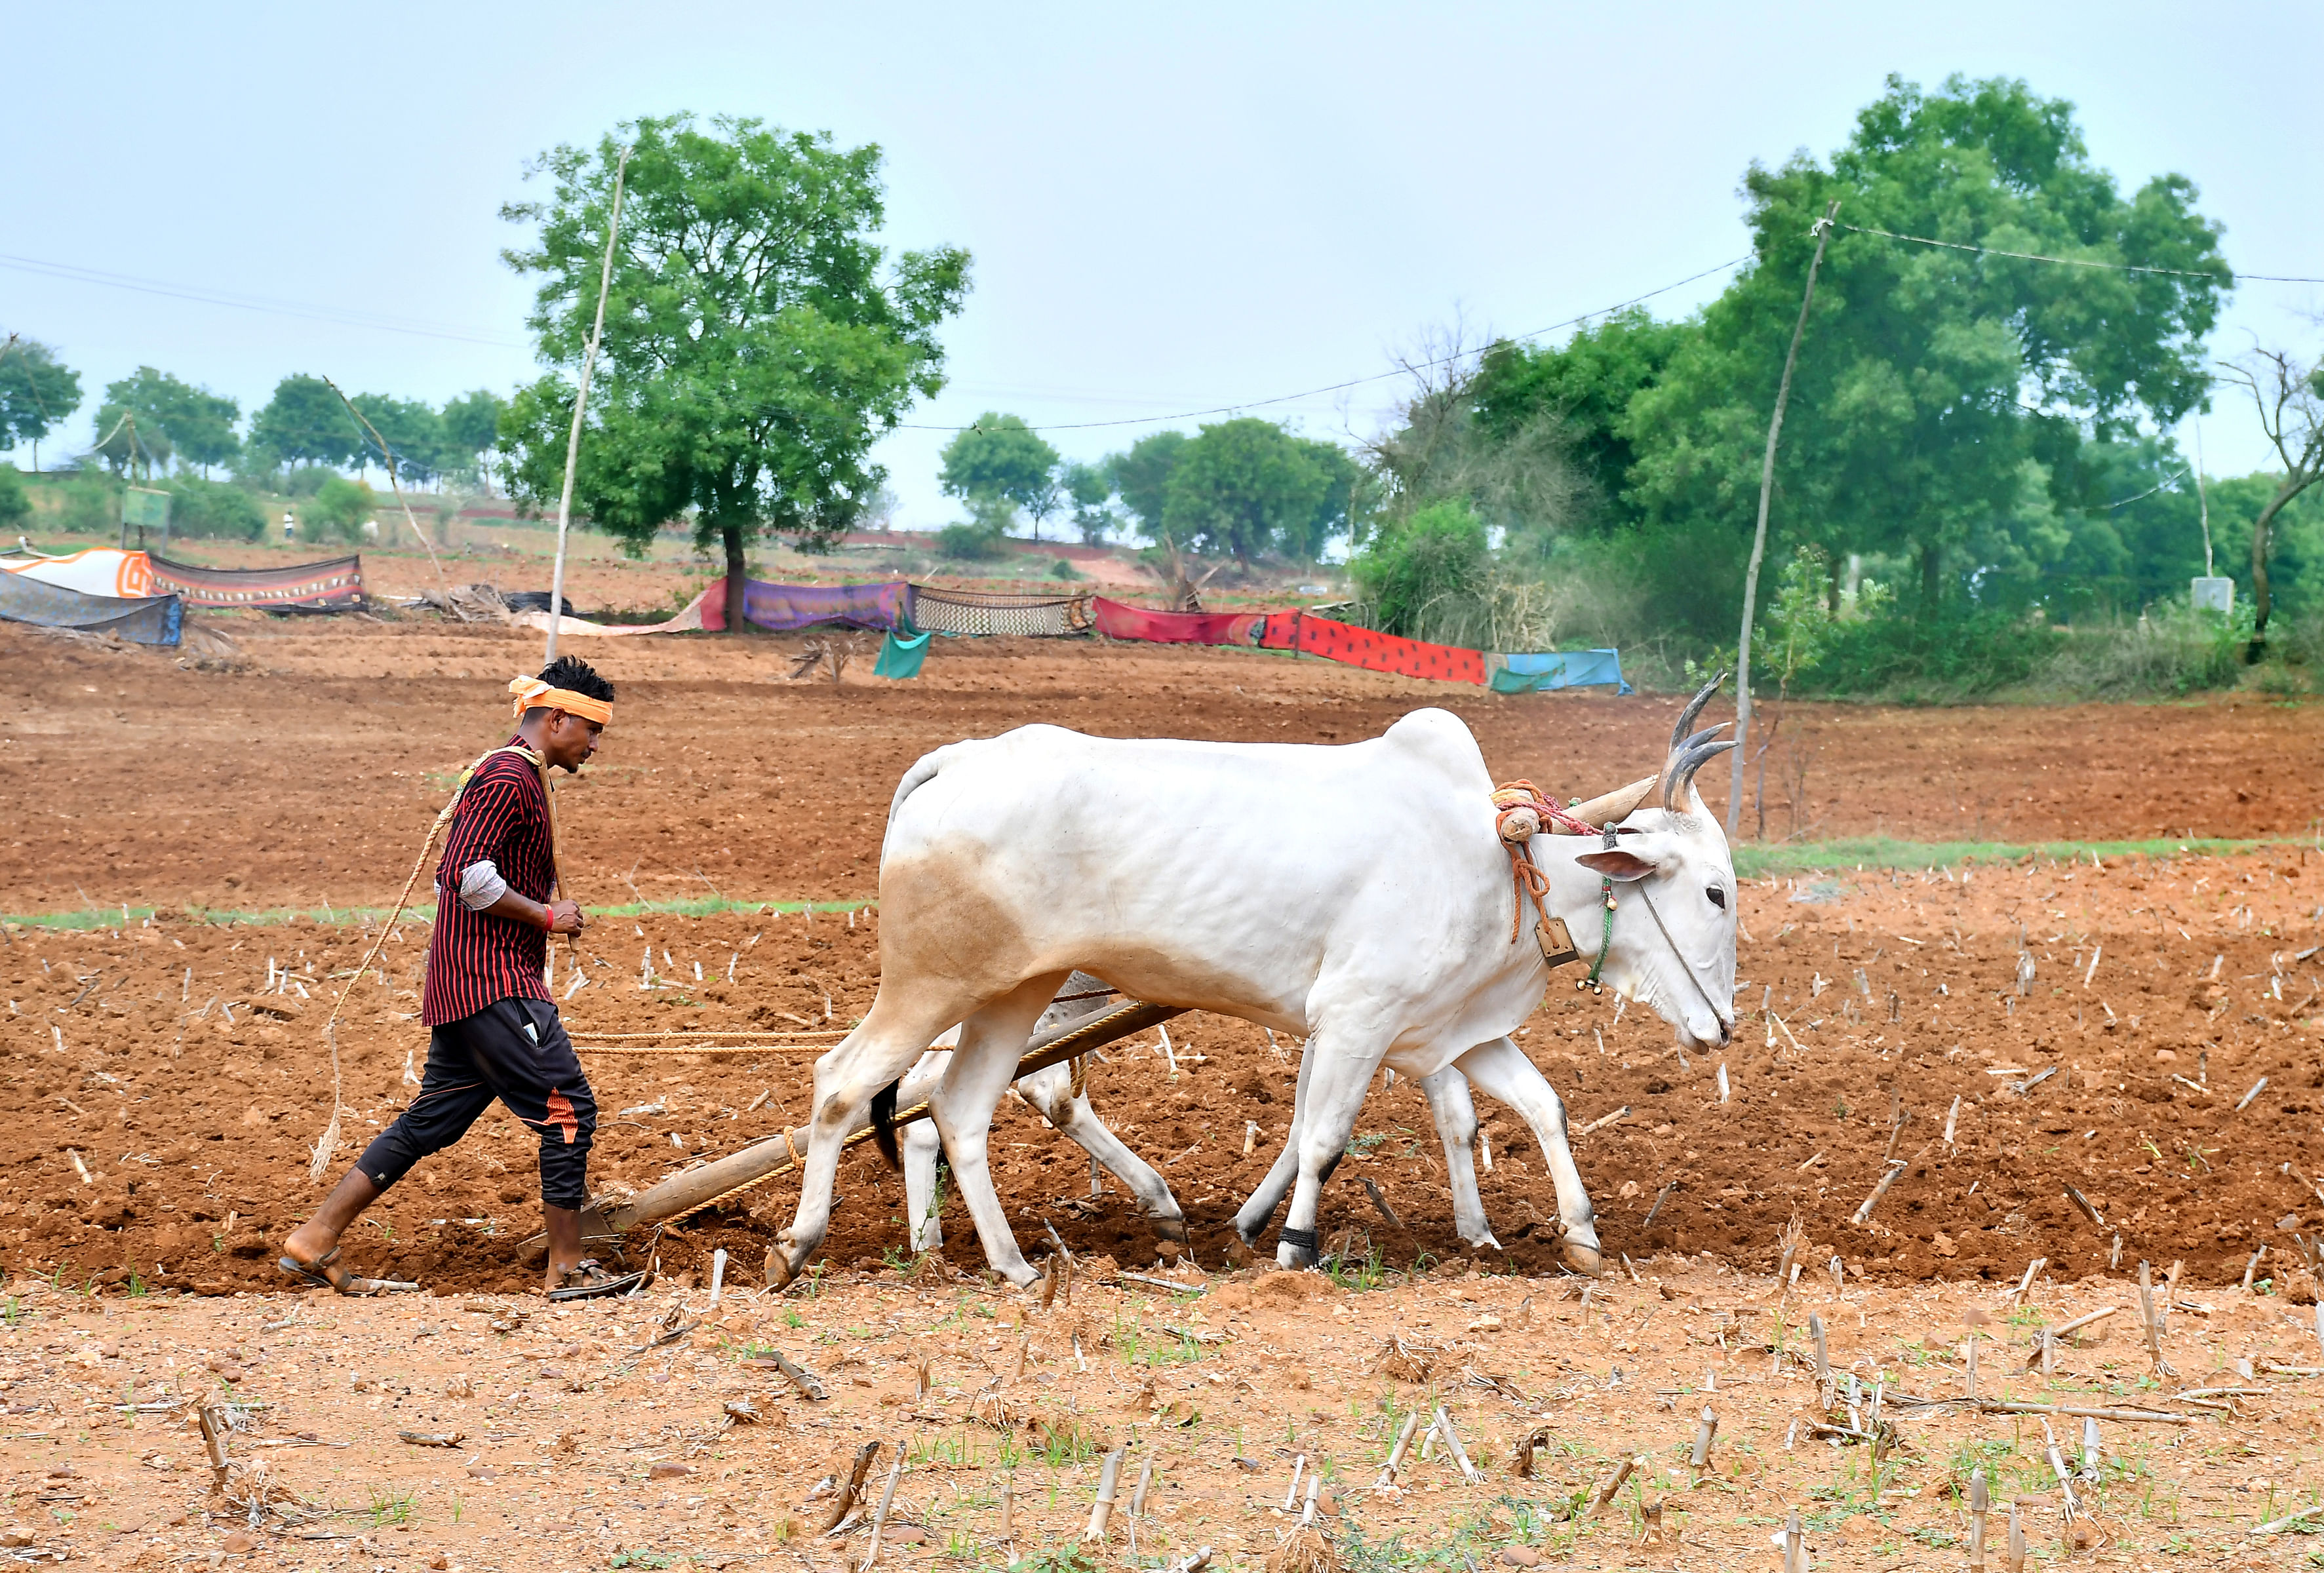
x,y
514,1050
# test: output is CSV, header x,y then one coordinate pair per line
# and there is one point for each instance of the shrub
x,y
1429,576
15,506
340,507
968,542
2171,650
214,510
91,506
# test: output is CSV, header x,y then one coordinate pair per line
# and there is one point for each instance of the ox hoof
x,y
1582,1253
781,1270
1294,1256
1170,1228
1239,1252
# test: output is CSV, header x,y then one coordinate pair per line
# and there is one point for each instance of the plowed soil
x,y
2008,1032
1886,1014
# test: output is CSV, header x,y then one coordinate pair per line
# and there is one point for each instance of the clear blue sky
x,y
1168,210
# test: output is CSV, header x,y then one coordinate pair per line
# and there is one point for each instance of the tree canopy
x,y
1244,487
172,415
1001,459
1942,394
37,392
758,340
304,423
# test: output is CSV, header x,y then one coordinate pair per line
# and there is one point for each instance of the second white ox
x,y
1356,895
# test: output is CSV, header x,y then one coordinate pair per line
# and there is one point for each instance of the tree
x,y
758,341
130,441
2290,398
1141,477
1245,487
305,424
1583,390
37,393
413,431
999,458
1090,488
173,416
472,429
1930,377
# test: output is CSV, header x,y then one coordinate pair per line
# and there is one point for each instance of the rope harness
x,y
1522,813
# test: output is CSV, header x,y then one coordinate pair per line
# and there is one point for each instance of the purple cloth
x,y
782,608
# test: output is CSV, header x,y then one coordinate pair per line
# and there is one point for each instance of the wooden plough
x,y
683,1195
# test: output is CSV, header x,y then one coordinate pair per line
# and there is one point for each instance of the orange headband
x,y
532,693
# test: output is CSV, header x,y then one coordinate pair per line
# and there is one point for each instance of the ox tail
x,y
883,1125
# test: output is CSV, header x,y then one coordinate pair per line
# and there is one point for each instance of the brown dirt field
x,y
308,775
587,1437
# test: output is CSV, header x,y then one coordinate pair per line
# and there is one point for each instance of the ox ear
x,y
1617,864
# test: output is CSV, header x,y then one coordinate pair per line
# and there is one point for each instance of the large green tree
x,y
1001,459
1247,486
304,423
1141,477
37,392
173,416
758,340
470,429
1941,392
411,430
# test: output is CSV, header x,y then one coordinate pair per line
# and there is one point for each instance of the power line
x,y
343,315
1954,245
1355,381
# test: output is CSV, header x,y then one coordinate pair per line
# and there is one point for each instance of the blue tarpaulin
x,y
1529,673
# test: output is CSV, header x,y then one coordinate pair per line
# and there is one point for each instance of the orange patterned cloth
x,y
1377,652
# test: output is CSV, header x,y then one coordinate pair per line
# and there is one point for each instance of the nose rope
x,y
1684,965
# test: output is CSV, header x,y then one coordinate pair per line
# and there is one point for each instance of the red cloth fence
x,y
1293,631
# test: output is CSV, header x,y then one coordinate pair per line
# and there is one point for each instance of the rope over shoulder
x,y
1522,813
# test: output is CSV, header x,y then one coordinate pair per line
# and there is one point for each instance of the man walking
x,y
494,1027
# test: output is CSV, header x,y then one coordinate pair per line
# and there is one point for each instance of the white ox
x,y
1357,896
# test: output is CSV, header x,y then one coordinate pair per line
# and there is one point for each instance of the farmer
x,y
495,1032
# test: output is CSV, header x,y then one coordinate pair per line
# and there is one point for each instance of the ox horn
x,y
1614,807
1618,804
1693,708
1678,778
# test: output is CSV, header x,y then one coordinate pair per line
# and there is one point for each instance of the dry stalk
x,y
850,1490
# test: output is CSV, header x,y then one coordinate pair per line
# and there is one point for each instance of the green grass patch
x,y
1759,861
223,916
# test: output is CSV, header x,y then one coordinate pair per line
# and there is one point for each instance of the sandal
x,y
320,1273
590,1281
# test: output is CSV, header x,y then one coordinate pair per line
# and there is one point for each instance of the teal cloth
x,y
900,655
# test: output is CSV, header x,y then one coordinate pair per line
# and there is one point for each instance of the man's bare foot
x,y
309,1243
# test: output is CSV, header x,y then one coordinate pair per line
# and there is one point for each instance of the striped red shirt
x,y
475,958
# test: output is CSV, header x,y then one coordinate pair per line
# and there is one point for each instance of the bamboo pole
x,y
580,404
1759,536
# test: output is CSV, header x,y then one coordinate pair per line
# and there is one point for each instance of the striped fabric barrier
x,y
332,585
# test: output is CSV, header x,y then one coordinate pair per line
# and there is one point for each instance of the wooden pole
x,y
388,455
580,404
1759,536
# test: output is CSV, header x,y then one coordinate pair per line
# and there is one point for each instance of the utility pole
x,y
580,403
1759,536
